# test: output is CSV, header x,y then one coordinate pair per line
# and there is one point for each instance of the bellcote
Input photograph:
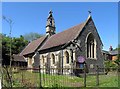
x,y
50,26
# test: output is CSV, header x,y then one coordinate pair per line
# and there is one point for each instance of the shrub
x,y
110,66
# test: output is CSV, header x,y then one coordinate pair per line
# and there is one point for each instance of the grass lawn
x,y
109,80
29,79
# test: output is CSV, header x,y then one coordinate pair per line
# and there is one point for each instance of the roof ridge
x,y
57,39
69,28
31,43
84,23
21,53
38,38
75,29
63,32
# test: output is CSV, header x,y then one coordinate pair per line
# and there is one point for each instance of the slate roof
x,y
104,51
114,52
32,46
18,58
55,40
63,37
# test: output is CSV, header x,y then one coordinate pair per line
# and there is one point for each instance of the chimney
x,y
110,49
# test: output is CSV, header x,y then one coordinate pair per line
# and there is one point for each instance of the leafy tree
x,y
110,65
118,56
32,36
17,44
118,59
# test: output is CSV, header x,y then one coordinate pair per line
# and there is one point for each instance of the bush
x,y
110,66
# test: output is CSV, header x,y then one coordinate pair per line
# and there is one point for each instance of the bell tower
x,y
50,26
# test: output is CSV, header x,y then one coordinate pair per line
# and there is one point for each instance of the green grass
x,y
109,80
29,79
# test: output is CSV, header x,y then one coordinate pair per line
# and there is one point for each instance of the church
x,y
72,48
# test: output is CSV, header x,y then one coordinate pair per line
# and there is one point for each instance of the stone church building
x,y
71,48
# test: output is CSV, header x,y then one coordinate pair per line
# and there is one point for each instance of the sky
x,y
31,17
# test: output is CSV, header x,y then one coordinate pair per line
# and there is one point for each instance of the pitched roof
x,y
114,52
104,51
32,46
63,37
55,40
18,58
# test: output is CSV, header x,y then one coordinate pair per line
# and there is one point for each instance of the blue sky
x,y
31,17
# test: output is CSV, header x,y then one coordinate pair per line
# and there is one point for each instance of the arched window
x,y
67,57
53,58
43,59
91,46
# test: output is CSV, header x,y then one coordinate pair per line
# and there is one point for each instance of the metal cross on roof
x,y
50,12
89,12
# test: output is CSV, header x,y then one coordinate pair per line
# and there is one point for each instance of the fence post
x,y
21,70
40,76
84,75
118,74
97,75
2,77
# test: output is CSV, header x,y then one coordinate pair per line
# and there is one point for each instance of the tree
x,y
5,49
118,56
31,36
17,46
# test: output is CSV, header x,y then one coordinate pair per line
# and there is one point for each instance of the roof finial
x,y
50,12
89,12
50,26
